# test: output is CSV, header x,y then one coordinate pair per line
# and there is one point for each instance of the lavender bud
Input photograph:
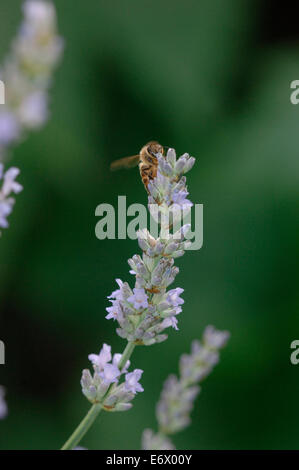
x,y
123,406
171,157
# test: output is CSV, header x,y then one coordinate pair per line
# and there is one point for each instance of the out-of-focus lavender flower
x,y
132,381
155,441
26,74
33,111
214,339
3,405
9,185
106,377
179,393
144,312
9,128
27,71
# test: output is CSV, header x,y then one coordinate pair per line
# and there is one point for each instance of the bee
x,y
146,159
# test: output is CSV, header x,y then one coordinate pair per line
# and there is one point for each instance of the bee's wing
x,y
127,162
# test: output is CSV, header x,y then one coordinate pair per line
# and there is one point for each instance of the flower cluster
x,y
169,187
144,312
26,73
106,377
178,394
9,186
3,405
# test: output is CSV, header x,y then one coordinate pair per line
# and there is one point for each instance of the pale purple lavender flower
x,y
117,294
39,12
110,374
170,186
173,297
132,381
174,323
5,210
107,377
170,321
3,405
100,360
138,299
215,339
9,183
179,197
114,312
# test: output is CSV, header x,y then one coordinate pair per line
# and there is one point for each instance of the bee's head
x,y
154,147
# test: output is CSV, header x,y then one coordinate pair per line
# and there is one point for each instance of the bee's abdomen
x,y
147,173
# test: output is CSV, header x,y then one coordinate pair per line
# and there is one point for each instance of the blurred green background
x,y
208,78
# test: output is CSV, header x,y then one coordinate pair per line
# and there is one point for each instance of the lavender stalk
x,y
179,393
26,75
143,312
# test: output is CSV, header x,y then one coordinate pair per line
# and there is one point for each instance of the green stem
x,y
94,411
126,354
83,427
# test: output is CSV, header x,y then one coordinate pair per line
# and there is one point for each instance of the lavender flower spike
x,y
27,72
145,311
179,393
